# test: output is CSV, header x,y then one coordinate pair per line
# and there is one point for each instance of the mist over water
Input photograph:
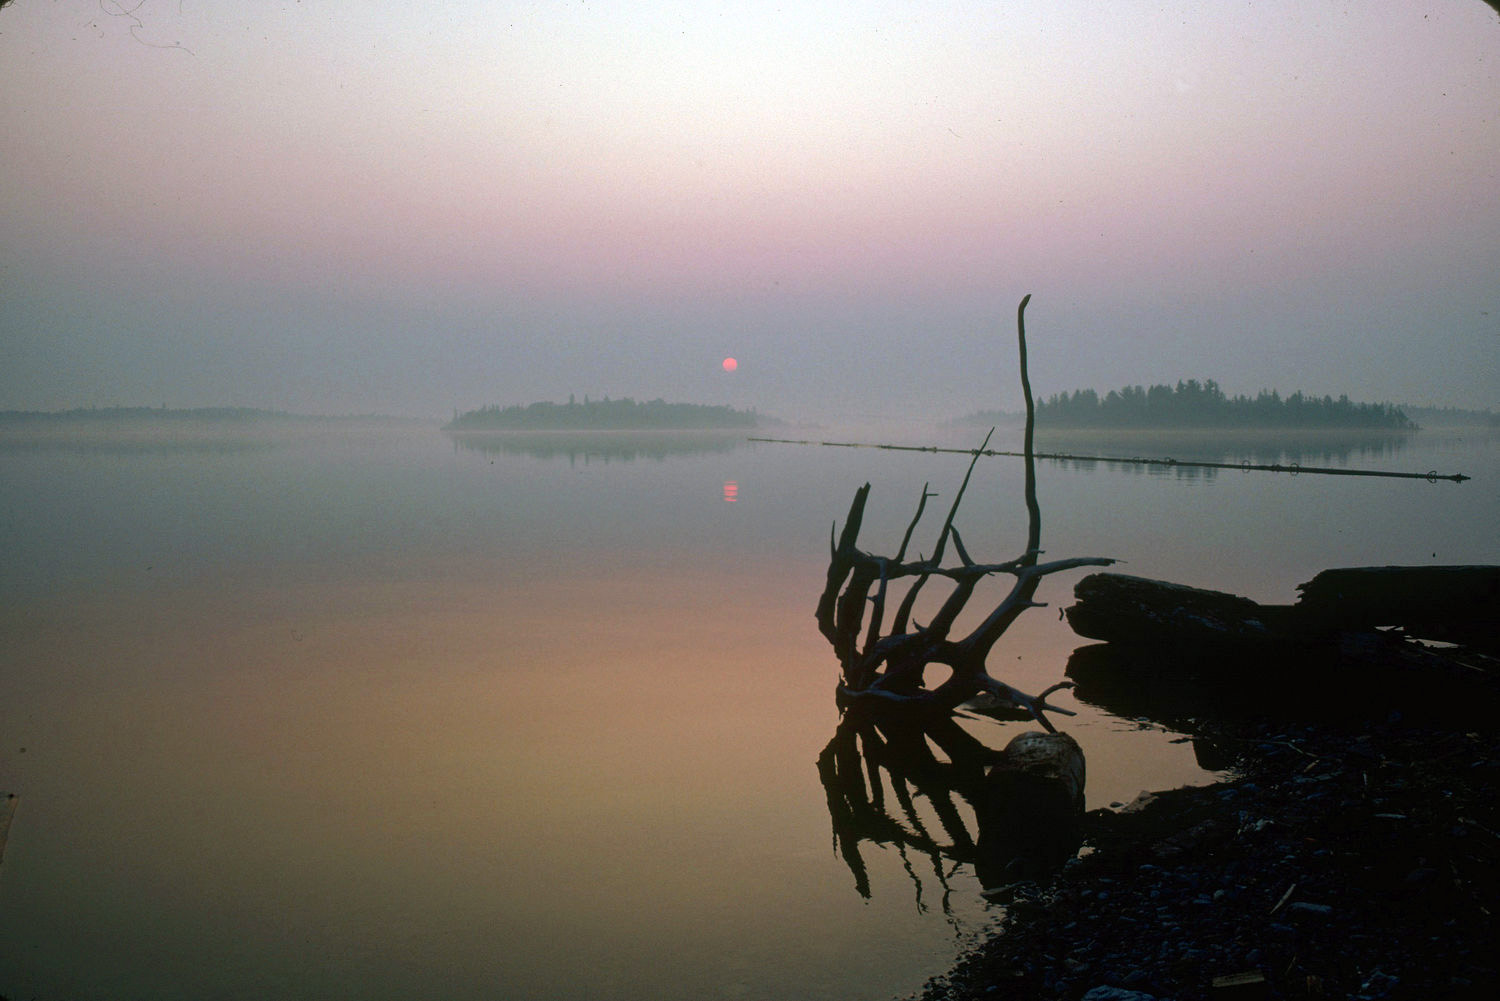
x,y
361,709
374,711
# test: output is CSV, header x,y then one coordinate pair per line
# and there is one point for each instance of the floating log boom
x,y
1294,468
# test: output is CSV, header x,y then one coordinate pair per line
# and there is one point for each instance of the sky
x,y
338,207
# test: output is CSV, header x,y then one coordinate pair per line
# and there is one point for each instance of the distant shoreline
x,y
124,417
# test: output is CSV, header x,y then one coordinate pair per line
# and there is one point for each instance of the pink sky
x,y
505,202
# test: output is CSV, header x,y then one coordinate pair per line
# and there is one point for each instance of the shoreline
x,y
1346,859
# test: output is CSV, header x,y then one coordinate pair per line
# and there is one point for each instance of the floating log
x,y
1030,813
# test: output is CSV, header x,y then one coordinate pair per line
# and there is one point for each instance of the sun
x,y
730,364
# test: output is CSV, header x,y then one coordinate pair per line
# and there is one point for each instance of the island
x,y
603,415
1194,404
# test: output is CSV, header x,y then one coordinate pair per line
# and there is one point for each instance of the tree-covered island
x,y
603,415
1192,404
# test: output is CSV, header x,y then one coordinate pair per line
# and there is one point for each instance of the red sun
x,y
730,364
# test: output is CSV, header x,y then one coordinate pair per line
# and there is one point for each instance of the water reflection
x,y
1168,454
368,688
869,752
1173,692
587,447
109,443
887,784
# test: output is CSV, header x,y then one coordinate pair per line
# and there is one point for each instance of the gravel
x,y
1346,859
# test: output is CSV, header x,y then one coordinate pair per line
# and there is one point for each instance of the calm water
x,y
371,713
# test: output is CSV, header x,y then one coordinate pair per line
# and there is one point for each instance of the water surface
x,y
377,712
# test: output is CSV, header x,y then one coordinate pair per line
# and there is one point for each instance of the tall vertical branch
x,y
1033,507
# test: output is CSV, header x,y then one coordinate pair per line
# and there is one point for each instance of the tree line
x,y
601,415
1195,404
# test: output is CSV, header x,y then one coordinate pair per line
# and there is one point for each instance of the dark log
x,y
1457,604
1176,652
1030,812
1120,608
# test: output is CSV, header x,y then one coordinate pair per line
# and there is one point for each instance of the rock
x,y
1116,994
1030,817
1246,986
1318,910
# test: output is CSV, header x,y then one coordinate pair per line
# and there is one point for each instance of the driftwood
x,y
891,664
1120,608
1459,604
897,740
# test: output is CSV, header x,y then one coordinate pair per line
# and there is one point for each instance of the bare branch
x,y
890,668
937,553
963,554
921,506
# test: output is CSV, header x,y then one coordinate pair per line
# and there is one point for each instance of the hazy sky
x,y
341,207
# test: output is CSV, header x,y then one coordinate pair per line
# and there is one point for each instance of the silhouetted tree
x,y
1194,404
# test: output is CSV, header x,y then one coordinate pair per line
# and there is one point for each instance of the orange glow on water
x,y
731,491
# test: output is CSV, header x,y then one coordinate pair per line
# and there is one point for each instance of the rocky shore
x,y
1348,858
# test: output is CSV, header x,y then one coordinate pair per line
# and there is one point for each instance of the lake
x,y
356,711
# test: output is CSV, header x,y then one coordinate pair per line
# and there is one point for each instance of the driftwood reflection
x,y
943,798
874,770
